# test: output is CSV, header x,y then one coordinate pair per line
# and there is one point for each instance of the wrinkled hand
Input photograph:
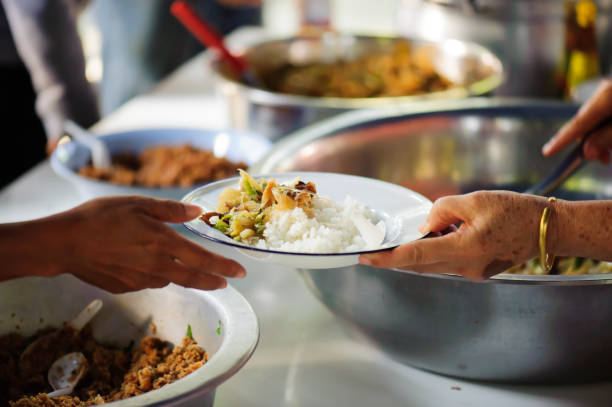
x,y
499,229
590,118
121,244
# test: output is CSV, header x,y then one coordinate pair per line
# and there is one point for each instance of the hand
x,y
590,118
499,229
121,244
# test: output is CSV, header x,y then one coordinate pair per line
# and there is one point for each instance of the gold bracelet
x,y
546,260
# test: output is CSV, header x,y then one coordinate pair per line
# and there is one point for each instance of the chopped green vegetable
x,y
222,226
578,261
237,238
219,328
189,333
249,189
226,217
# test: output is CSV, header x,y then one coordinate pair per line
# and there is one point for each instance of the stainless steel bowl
x,y
475,69
511,328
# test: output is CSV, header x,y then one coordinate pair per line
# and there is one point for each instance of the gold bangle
x,y
546,260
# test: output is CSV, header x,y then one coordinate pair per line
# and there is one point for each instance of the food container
x,y
222,322
68,158
530,37
475,69
512,328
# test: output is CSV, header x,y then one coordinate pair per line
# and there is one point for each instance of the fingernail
x,y
241,273
365,260
424,228
545,148
192,210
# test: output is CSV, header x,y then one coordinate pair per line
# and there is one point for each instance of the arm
x,y
500,229
45,35
119,244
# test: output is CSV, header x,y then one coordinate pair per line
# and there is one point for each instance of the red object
x,y
207,35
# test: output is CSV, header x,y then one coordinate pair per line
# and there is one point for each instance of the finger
x,y
181,274
590,115
166,210
117,280
445,211
200,259
600,143
433,268
420,252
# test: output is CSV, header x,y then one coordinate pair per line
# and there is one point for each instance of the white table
x,y
304,357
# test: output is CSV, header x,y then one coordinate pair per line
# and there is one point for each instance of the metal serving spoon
x,y
572,163
100,155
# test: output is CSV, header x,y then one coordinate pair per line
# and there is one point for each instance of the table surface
x,y
305,357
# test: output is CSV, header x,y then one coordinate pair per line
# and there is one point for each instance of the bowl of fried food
x,y
168,346
162,163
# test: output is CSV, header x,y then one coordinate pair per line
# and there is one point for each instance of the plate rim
x,y
237,245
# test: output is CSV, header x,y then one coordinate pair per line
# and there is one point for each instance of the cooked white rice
x,y
330,230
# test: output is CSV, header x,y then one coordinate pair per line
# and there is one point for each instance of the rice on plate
x,y
293,218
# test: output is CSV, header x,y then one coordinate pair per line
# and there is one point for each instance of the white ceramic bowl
x,y
68,158
31,303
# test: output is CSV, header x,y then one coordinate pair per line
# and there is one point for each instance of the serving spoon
x,y
69,368
100,155
207,35
65,373
572,163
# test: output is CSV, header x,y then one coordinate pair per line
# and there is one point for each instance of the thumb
x,y
170,211
445,211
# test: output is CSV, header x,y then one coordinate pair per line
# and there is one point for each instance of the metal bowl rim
x,y
351,120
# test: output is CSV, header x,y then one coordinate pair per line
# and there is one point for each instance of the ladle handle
x,y
563,171
188,16
572,163
78,322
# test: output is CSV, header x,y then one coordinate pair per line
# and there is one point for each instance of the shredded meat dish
x,y
113,373
165,166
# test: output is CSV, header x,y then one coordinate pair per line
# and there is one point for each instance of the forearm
x,y
582,229
33,248
45,35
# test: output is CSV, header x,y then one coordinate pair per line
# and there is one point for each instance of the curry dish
x,y
165,166
113,373
404,71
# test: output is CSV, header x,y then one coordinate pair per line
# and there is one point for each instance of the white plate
x,y
401,209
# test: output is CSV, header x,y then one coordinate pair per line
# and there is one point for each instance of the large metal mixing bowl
x,y
474,69
510,328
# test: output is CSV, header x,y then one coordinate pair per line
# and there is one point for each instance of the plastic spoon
x,y
99,153
65,373
207,35
77,323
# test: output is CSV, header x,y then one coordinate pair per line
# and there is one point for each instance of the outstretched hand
x,y
498,230
122,244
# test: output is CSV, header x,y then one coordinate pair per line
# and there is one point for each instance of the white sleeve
x,y
45,35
